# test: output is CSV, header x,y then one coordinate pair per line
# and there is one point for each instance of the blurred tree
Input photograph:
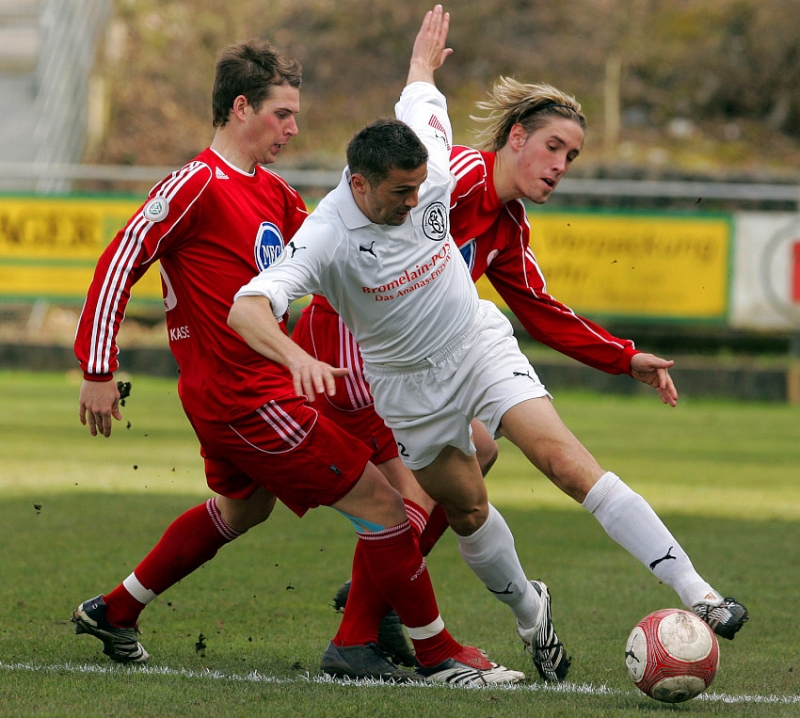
x,y
637,66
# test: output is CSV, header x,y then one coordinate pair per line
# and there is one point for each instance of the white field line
x,y
256,677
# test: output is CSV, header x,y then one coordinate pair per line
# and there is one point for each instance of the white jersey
x,y
404,291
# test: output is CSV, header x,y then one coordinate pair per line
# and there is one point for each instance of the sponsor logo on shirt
x,y
156,209
412,279
219,174
434,221
268,246
177,333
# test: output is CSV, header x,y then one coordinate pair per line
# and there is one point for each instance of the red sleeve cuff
x,y
97,377
625,360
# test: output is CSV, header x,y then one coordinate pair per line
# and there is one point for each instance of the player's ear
x,y
517,136
239,106
359,183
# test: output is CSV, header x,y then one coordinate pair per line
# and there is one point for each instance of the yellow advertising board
x,y
610,264
628,265
49,246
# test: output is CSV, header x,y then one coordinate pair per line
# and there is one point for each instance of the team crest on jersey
x,y
156,209
269,245
434,221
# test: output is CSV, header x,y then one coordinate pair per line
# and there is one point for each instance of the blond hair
x,y
511,102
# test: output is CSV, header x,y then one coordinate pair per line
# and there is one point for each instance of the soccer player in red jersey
x,y
213,225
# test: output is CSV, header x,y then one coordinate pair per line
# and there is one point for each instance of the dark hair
x,y
383,146
251,69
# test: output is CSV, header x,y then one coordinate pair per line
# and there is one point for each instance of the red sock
x,y
395,565
417,517
189,541
123,609
366,607
434,529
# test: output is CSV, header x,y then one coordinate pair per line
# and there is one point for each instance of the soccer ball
x,y
672,655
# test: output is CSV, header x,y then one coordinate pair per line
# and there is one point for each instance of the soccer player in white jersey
x,y
524,138
378,248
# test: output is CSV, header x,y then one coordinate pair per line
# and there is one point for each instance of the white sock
x,y
490,553
632,523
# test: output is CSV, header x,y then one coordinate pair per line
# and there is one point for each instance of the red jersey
x,y
213,228
494,240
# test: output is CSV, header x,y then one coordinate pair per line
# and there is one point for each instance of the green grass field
x,y
243,635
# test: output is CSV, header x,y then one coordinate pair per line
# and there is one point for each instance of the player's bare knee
x,y
466,521
373,499
242,514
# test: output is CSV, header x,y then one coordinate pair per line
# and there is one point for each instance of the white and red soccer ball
x,y
672,655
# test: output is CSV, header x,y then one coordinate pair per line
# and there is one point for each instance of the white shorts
x,y
480,374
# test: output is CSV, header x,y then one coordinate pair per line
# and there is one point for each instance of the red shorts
x,y
286,447
323,334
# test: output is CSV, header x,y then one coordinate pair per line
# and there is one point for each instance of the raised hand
x,y
430,52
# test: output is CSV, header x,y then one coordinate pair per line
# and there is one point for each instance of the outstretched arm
x,y
252,318
654,371
429,51
516,275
